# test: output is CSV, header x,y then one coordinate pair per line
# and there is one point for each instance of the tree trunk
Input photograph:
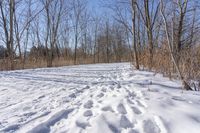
x,y
134,35
149,33
11,56
75,52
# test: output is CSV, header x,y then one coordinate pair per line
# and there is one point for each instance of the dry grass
x,y
189,63
57,62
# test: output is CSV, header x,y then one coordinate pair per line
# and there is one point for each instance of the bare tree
x,y
8,22
96,29
149,23
22,24
183,8
119,8
170,44
78,8
53,10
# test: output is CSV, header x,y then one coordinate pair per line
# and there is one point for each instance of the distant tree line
x,y
48,32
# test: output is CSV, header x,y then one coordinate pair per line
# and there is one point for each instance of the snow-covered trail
x,y
101,98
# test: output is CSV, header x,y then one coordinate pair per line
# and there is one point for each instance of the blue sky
x,y
96,6
93,3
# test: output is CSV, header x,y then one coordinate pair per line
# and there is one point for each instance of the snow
x,y
100,98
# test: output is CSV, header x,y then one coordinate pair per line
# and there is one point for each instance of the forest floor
x,y
100,98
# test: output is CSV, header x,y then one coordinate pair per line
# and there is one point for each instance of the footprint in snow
x,y
195,118
113,128
150,127
82,124
114,95
130,101
146,98
125,123
133,131
100,101
118,90
100,95
73,95
88,104
141,104
165,93
107,108
119,86
88,113
65,100
26,108
112,88
87,87
136,110
42,96
121,109
104,90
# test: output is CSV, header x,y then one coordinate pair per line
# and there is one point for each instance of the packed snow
x,y
100,98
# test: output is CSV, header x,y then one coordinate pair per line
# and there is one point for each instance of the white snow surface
x,y
100,98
